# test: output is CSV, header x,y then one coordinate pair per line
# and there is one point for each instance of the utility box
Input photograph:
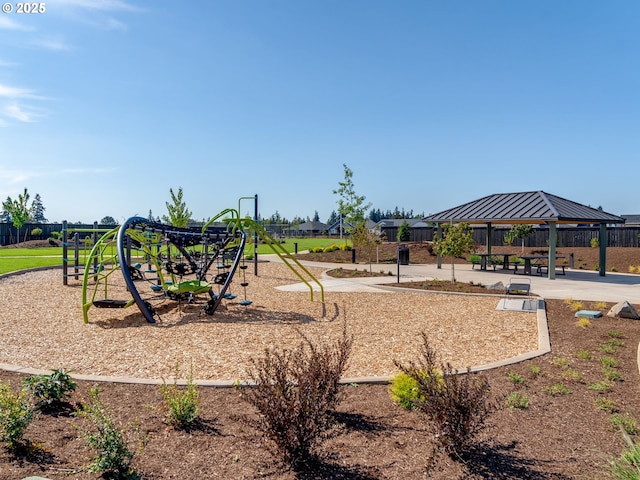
x,y
403,255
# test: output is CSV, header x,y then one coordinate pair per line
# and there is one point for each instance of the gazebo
x,y
535,208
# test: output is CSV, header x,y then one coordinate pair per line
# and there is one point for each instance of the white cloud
x,y
104,5
17,176
15,92
7,23
52,43
23,113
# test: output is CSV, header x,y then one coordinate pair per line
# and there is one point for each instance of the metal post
x,y
65,253
255,237
602,266
398,263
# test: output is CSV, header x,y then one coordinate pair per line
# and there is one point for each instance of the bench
x,y
542,269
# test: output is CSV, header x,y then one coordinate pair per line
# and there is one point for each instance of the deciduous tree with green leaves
x,y
351,206
456,241
521,231
18,210
178,213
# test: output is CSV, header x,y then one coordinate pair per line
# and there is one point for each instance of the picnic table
x,y
538,261
485,259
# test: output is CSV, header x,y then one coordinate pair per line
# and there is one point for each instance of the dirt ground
x,y
556,437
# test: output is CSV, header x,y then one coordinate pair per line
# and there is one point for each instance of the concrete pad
x,y
518,305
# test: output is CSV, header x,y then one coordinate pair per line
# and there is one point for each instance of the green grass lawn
x,y
304,244
12,259
11,264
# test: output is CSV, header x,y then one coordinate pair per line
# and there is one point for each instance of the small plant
x,y
575,305
627,467
49,390
571,375
594,242
535,370
181,405
556,389
601,386
515,378
614,334
404,391
612,375
16,413
624,421
583,354
609,362
608,348
583,322
605,404
517,400
295,392
561,362
614,269
113,456
458,404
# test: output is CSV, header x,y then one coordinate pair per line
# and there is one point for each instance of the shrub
x,y
624,421
535,370
601,386
458,404
36,232
627,467
345,247
517,400
556,389
583,354
614,334
16,413
612,374
561,362
609,362
575,305
48,390
572,375
56,235
404,391
113,455
330,248
295,392
605,404
594,242
515,378
181,405
583,322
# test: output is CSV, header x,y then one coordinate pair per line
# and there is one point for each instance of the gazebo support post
x,y
438,237
602,265
489,238
553,240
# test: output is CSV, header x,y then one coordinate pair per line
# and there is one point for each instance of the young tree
x,y
37,210
179,215
350,205
404,232
456,241
18,210
521,231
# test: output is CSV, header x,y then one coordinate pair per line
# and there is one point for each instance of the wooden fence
x,y
567,236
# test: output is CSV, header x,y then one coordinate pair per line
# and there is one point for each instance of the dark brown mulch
x,y
556,437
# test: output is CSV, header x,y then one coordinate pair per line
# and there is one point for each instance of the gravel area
x,y
42,327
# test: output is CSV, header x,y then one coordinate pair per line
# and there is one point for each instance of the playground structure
x,y
76,241
160,262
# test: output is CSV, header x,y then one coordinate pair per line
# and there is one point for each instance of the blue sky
x,y
105,105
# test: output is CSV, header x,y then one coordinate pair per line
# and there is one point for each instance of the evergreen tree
x,y
316,217
109,220
37,210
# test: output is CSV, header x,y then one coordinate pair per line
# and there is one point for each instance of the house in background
x,y
312,229
631,220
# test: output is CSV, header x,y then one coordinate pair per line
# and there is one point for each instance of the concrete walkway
x,y
576,284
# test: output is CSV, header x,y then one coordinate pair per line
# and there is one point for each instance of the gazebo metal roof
x,y
524,207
